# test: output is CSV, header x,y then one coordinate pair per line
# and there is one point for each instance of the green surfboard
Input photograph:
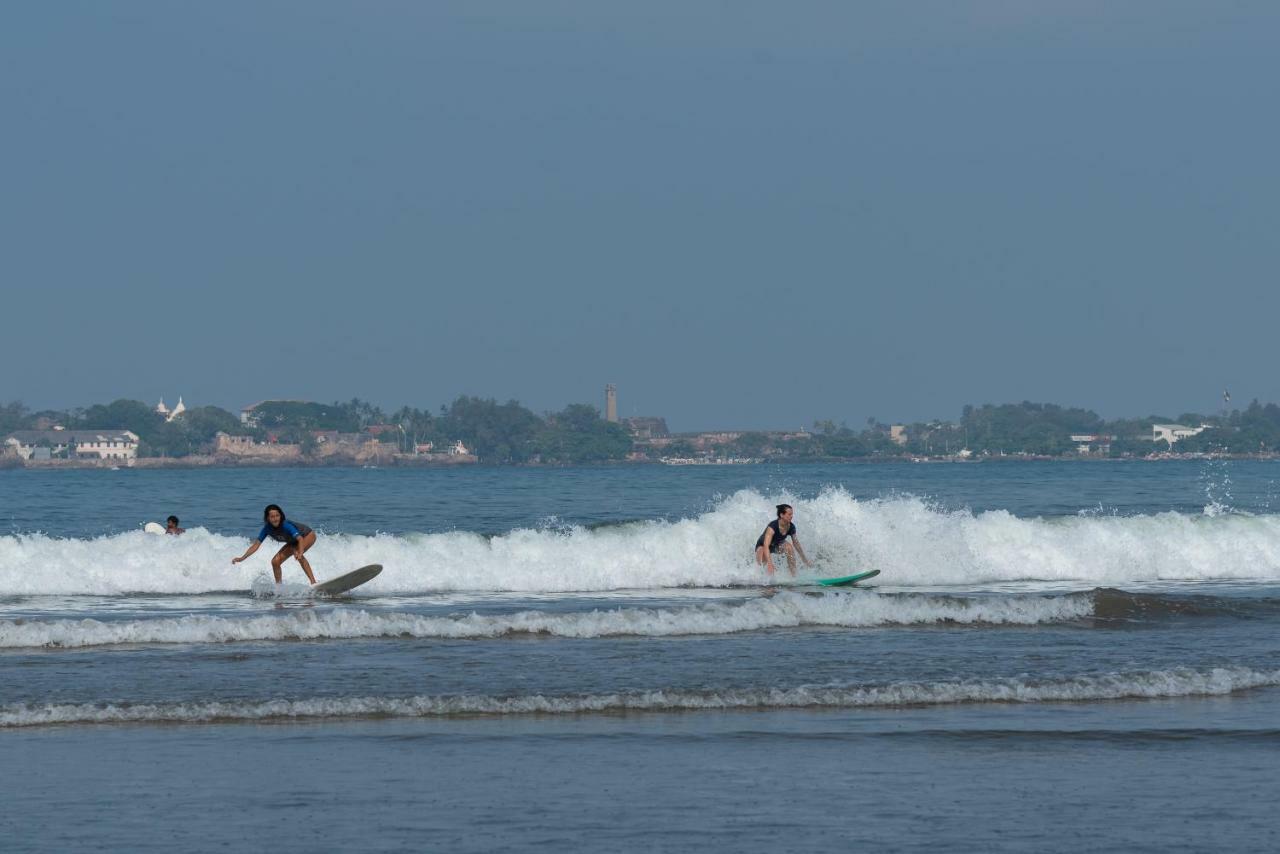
x,y
848,579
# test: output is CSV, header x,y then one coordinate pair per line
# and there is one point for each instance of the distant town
x,y
130,433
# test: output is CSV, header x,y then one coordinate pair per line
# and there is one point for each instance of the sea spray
x,y
913,542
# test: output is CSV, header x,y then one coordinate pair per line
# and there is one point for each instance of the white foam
x,y
265,587
1178,682
912,542
863,609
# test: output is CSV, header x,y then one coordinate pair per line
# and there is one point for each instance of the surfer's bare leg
x,y
762,558
791,557
299,551
280,558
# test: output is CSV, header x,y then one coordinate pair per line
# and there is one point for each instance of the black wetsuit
x,y
775,545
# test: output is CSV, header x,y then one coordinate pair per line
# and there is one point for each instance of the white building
x,y
79,444
1088,443
1173,432
249,414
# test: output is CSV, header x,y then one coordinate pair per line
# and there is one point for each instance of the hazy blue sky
x,y
744,214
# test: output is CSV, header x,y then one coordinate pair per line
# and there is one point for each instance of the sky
x,y
743,214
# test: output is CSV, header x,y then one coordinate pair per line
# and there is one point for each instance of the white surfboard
x,y
351,580
153,528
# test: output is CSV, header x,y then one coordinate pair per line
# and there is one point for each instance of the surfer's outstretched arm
x,y
803,556
253,547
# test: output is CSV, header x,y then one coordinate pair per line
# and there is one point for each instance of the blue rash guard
x,y
288,532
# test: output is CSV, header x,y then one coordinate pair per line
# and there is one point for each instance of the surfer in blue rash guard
x,y
297,538
775,539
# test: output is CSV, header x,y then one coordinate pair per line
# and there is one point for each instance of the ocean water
x,y
1056,656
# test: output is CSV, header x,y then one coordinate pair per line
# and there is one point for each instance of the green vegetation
x,y
1254,430
1045,429
751,445
681,448
190,433
413,427
578,434
495,432
14,416
511,433
1031,428
291,420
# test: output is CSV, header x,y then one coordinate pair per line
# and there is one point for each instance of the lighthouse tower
x,y
611,403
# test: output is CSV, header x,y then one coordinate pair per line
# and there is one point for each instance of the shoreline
x,y
203,462
206,462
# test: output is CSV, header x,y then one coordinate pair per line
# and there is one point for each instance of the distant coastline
x,y
292,433
208,462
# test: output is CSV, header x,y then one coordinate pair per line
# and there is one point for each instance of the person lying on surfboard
x,y
774,540
297,538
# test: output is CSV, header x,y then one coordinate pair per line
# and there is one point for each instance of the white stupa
x,y
170,414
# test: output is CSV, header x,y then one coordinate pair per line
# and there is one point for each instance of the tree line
x,y
495,432
1038,429
511,433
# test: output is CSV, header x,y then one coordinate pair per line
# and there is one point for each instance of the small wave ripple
x,y
1176,682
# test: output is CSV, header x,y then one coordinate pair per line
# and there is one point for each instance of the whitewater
x,y
913,542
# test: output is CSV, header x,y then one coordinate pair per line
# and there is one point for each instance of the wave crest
x,y
912,542
862,609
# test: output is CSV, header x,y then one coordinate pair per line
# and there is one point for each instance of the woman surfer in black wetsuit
x,y
297,538
775,539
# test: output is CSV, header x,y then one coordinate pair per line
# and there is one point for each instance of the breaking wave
x,y
1177,682
911,541
786,610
